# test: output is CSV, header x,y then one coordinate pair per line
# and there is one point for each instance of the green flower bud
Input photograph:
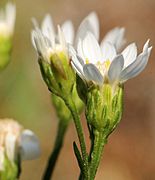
x,y
104,107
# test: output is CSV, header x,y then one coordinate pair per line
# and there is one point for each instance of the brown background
x,y
130,152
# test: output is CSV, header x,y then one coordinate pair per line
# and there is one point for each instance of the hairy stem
x,y
96,154
70,104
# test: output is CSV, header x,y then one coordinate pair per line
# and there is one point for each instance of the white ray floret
x,y
45,42
29,145
101,64
7,20
115,37
89,24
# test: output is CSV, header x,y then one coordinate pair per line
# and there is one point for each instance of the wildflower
x,y
102,73
7,21
54,60
16,144
102,64
53,55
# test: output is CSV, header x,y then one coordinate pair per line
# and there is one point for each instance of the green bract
x,y
58,75
104,106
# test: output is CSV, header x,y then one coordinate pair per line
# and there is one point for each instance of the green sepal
x,y
104,107
81,88
58,74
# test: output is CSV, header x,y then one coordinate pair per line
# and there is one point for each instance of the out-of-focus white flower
x,y
102,64
7,20
16,142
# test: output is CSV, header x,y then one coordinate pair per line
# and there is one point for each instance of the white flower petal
x,y
40,44
77,63
29,145
78,70
47,28
92,73
136,67
115,37
116,68
68,30
93,19
10,144
146,45
10,16
61,38
129,54
91,49
89,24
108,51
80,49
2,158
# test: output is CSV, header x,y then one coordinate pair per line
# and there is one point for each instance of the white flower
x,y
7,20
15,141
102,64
46,44
47,41
91,24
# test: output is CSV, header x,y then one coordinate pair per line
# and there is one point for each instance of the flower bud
x,y
104,106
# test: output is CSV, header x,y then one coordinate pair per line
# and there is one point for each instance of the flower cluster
x,y
99,71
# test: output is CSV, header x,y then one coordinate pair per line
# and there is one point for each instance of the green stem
x,y
62,127
99,142
70,104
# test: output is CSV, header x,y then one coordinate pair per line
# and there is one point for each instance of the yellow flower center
x,y
103,67
87,61
107,64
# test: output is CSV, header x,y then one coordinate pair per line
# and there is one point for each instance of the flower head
x,y
7,20
15,143
53,57
101,63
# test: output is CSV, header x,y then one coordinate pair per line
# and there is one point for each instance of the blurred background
x,y
130,152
